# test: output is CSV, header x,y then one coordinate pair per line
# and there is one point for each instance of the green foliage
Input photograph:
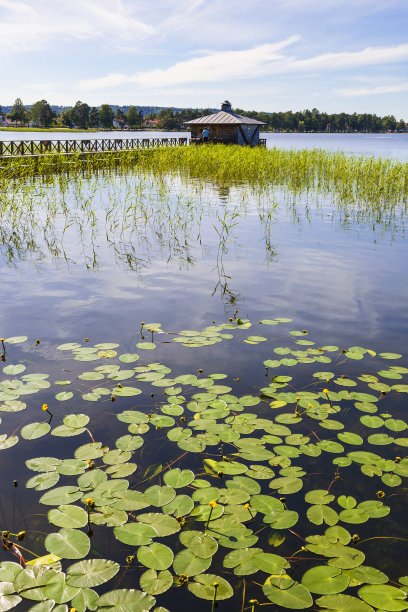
x,y
224,507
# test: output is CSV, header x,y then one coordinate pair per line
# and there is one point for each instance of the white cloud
x,y
214,67
27,25
262,60
373,91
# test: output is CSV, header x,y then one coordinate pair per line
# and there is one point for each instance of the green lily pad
x,y
206,585
189,564
68,544
156,583
325,580
156,556
384,596
91,573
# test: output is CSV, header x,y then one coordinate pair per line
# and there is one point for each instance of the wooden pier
x,y
44,147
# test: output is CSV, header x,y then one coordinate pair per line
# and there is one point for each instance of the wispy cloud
x,y
262,60
25,25
373,91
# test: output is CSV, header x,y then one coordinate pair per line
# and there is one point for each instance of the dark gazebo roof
x,y
225,116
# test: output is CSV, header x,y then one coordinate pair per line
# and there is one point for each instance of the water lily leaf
x,y
155,583
343,603
204,586
390,355
68,544
242,561
57,589
202,544
8,598
14,370
330,446
391,480
349,437
188,564
63,431
325,580
296,597
64,396
384,596
12,406
395,424
346,501
76,420
203,512
91,573
159,496
320,514
179,506
129,443
354,516
41,482
68,516
61,496
146,346
35,430
177,478
163,524
116,456
319,496
43,464
156,556
286,485
7,441
126,391
270,563
125,600
85,600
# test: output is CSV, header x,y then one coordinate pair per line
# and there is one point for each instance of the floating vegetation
x,y
288,494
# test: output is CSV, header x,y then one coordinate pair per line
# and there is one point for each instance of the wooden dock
x,y
44,147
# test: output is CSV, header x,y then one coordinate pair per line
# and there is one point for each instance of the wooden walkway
x,y
43,147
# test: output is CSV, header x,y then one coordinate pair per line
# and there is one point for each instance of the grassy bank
x,y
37,129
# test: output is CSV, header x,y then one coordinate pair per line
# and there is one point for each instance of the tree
x,y
93,119
119,115
80,115
18,112
106,116
42,113
66,118
134,118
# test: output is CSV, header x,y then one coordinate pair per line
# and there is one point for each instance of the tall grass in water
x,y
351,179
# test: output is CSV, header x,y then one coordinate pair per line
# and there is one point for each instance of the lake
x,y
110,266
380,145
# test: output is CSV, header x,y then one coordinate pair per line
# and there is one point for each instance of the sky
x,y
265,55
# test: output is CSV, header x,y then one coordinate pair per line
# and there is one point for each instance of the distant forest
x,y
110,116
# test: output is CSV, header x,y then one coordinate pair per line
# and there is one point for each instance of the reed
x,y
352,179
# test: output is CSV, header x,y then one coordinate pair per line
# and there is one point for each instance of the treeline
x,y
80,116
315,121
84,116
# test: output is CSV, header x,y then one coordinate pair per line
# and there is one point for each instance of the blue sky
x,y
272,55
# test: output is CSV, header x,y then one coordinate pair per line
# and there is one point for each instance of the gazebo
x,y
226,127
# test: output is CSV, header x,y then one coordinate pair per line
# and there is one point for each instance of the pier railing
x,y
42,147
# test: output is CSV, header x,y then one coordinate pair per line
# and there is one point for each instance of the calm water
x,y
68,275
379,145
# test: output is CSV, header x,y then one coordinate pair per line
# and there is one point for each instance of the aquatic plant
x,y
257,497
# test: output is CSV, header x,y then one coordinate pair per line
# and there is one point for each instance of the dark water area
x,y
98,255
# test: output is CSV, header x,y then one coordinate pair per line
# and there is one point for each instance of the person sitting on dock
x,y
206,134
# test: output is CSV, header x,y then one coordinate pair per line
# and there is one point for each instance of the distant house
x,y
151,122
226,127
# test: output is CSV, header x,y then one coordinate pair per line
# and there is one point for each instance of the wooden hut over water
x,y
226,127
